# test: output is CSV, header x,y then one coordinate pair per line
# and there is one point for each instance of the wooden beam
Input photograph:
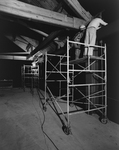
x,y
11,57
40,32
59,43
15,53
78,9
37,14
46,42
31,41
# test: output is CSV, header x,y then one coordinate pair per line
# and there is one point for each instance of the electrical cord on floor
x,y
42,123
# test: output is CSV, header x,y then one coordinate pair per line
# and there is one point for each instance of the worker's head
x,y
82,27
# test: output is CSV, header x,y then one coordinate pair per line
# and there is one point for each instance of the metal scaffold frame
x,y
92,94
30,76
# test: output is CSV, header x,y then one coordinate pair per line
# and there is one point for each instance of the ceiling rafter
x,y
78,9
30,13
37,14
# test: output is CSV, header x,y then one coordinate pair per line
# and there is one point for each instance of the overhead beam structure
x,y
78,9
45,43
37,14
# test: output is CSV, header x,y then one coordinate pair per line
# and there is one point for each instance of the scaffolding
x,y
81,84
30,76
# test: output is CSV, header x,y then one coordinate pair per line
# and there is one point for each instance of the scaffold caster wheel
x,y
104,120
66,130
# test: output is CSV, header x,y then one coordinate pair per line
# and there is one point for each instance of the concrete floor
x,y
25,126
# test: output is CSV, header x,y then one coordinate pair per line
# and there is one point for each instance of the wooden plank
x,y
78,9
11,57
30,12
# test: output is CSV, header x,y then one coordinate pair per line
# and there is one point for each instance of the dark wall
x,y
11,70
113,76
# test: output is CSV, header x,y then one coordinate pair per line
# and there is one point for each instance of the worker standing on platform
x,y
77,38
90,37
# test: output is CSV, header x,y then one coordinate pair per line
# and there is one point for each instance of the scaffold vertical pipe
x,y
45,78
59,88
68,81
24,75
105,51
73,84
60,85
32,79
89,86
103,67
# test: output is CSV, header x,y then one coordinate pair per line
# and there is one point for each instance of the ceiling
x,y
109,8
32,27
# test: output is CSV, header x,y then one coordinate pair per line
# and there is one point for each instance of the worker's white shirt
x,y
96,23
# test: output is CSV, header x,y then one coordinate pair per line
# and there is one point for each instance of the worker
x,y
77,38
90,37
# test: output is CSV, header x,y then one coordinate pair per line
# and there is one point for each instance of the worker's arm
x,y
103,22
